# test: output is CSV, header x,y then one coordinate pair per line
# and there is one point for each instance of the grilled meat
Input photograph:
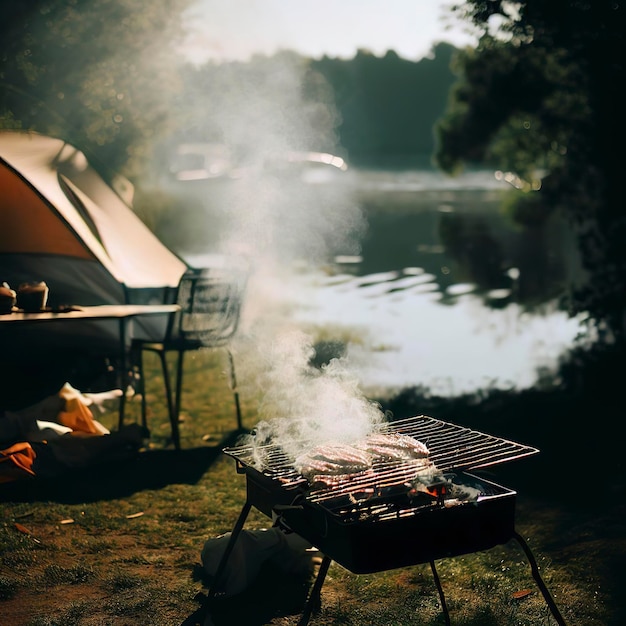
x,y
340,459
394,446
334,459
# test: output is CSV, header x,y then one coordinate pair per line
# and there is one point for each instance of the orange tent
x,y
60,222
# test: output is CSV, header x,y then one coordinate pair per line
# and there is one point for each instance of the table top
x,y
99,312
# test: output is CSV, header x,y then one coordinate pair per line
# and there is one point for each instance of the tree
x,y
98,73
541,96
388,105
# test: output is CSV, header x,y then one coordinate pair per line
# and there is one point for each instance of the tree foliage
x,y
541,96
97,73
374,110
388,105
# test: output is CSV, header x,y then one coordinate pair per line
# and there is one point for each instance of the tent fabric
x,y
16,226
55,210
61,223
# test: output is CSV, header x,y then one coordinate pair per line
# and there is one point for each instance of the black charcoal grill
x,y
393,514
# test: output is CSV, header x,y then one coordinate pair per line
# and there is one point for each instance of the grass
x,y
131,554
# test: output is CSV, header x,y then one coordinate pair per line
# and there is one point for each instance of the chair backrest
x,y
210,302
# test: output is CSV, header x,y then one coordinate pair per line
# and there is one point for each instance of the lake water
x,y
445,292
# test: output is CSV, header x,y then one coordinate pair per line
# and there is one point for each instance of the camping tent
x,y
60,222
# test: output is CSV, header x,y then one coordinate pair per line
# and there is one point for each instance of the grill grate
x,y
452,448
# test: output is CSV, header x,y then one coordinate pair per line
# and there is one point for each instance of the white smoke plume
x,y
265,113
278,220
306,406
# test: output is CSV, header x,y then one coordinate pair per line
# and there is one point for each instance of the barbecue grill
x,y
393,514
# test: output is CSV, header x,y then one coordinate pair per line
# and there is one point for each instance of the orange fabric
x,y
28,224
16,462
78,417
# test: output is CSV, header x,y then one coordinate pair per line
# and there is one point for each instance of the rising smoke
x,y
263,116
278,220
306,406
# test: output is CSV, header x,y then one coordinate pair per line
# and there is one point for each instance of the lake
x,y
442,289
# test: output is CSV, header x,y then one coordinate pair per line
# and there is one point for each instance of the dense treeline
x,y
389,105
384,108
105,76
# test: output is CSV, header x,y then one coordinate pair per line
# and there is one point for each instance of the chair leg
x,y
142,389
179,381
171,409
233,386
178,394
123,383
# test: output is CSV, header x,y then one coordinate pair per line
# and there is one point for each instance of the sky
x,y
227,30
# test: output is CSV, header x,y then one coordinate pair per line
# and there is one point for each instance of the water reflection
x,y
409,337
446,293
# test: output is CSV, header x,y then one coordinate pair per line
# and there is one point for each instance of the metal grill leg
x,y
314,601
229,548
444,606
537,576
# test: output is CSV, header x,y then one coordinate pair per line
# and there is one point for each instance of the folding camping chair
x,y
210,302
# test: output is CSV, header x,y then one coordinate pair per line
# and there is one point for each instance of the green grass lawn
x,y
119,543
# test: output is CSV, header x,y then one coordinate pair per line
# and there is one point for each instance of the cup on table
x,y
32,297
7,299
